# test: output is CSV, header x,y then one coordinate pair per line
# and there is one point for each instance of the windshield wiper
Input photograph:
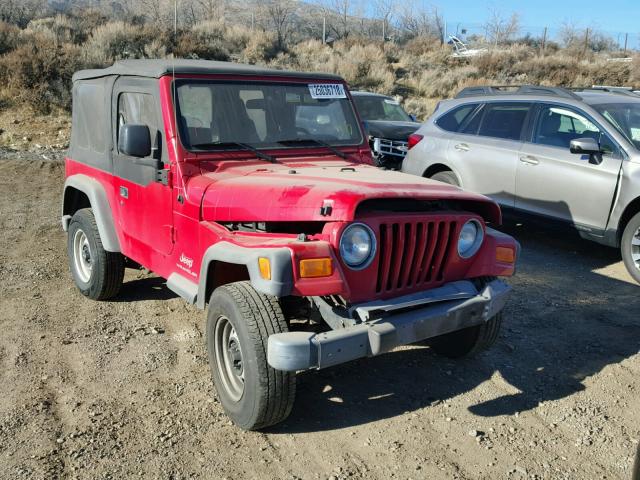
x,y
242,146
295,141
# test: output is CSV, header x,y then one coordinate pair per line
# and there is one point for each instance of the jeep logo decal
x,y
186,260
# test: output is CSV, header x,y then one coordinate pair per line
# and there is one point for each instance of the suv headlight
x,y
470,239
357,246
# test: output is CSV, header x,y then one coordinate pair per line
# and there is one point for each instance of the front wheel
x,y
468,341
239,323
630,247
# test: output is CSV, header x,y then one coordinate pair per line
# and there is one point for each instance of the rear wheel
x,y
446,176
97,273
630,247
239,323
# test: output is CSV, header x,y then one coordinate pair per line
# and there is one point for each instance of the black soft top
x,y
156,68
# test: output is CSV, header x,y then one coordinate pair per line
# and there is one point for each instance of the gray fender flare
x,y
100,206
281,281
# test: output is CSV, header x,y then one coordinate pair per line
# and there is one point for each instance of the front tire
x,y
630,247
446,176
469,341
97,273
239,322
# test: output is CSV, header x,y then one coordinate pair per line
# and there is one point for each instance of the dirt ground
x,y
121,389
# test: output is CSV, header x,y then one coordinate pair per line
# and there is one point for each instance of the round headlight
x,y
470,239
357,246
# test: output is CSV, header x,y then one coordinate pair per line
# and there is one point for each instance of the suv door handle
x,y
462,147
529,160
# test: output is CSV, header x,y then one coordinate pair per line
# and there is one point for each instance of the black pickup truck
x,y
387,125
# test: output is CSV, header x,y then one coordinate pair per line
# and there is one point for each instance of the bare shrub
x,y
39,73
204,40
496,62
260,48
421,107
114,41
442,83
59,28
635,70
9,35
419,45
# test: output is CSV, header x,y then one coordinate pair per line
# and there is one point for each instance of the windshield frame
x,y
602,110
382,99
176,81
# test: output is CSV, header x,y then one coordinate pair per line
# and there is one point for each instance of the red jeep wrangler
x,y
253,190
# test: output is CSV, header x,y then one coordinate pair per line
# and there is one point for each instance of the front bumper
x,y
386,325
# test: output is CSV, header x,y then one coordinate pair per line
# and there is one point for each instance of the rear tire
x,y
469,341
630,247
239,323
96,272
446,176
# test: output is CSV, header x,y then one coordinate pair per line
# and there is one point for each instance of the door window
x,y
136,108
557,126
504,120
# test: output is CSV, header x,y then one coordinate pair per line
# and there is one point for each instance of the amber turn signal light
x,y
265,268
505,255
316,267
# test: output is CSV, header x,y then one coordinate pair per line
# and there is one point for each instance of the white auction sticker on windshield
x,y
327,90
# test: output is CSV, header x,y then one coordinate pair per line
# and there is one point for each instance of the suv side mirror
x,y
584,145
134,140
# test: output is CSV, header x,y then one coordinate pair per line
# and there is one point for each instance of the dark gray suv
x,y
573,156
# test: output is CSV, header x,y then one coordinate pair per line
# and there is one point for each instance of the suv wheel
x,y
239,322
446,176
97,273
630,247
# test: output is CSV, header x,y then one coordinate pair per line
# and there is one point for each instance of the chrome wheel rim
x,y
228,355
82,256
635,248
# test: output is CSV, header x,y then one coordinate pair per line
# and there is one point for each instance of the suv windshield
x,y
373,107
625,117
215,115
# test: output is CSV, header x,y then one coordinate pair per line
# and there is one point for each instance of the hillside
x,y
38,59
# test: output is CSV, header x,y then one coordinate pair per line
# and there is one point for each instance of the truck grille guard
x,y
394,148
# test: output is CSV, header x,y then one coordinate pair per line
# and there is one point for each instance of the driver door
x,y
144,198
552,181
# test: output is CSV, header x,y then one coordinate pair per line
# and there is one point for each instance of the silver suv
x,y
573,156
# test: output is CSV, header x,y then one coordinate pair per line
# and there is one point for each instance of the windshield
x,y
625,117
373,107
216,115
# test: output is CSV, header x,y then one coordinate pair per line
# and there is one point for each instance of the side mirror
x,y
413,117
585,146
134,140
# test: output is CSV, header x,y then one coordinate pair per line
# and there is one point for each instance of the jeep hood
x,y
296,193
391,130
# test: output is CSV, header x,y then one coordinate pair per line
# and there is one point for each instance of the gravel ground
x,y
121,389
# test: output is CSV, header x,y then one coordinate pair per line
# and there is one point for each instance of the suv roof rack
x,y
516,90
629,91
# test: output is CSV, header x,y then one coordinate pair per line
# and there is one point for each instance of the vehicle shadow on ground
x,y
563,324
150,288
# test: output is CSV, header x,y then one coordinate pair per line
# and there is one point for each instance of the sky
x,y
608,15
